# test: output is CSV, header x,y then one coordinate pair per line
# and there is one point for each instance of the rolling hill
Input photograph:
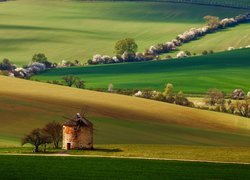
x,y
224,3
117,119
69,30
195,75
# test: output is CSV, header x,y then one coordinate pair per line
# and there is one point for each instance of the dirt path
x,y
124,157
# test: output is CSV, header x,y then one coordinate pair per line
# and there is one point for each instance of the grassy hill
x,y
225,71
117,119
226,3
77,30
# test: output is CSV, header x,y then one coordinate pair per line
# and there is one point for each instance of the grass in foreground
x,y
187,152
72,30
195,75
22,167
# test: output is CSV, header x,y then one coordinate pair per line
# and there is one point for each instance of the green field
x,y
118,119
69,30
230,3
225,71
107,168
229,38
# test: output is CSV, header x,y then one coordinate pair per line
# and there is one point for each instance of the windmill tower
x,y
77,133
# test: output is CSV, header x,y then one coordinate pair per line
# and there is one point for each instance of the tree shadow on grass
x,y
107,150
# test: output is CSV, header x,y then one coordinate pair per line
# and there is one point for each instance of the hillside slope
x,y
225,71
69,30
118,119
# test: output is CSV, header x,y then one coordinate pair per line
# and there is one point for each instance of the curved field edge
x,y
118,119
195,75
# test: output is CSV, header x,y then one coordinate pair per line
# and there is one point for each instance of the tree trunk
x,y
36,149
44,148
57,145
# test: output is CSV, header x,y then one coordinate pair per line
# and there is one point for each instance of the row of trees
x,y
126,49
225,3
39,63
217,101
168,95
51,133
237,102
70,81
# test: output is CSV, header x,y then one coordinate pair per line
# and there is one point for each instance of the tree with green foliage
x,y
212,21
180,99
169,93
6,65
188,53
126,45
41,58
80,83
54,131
69,80
210,51
205,52
36,137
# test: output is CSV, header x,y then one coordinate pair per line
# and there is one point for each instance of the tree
x,y
243,107
54,131
238,94
205,52
212,21
210,51
69,80
36,137
180,99
125,45
110,87
188,53
215,96
6,65
80,83
168,57
168,93
41,58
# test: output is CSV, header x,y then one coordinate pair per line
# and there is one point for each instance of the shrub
x,y
168,57
188,53
215,97
80,83
205,52
4,72
210,51
181,54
